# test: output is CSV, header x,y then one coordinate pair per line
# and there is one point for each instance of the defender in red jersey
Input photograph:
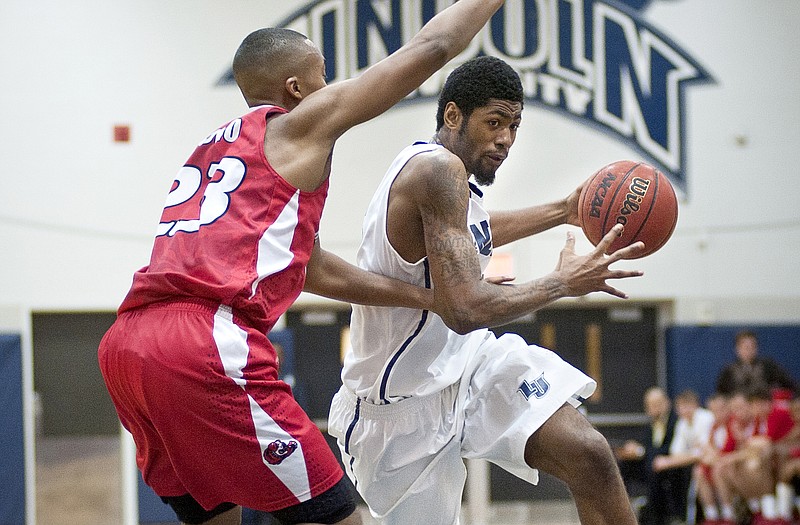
x,y
187,362
233,230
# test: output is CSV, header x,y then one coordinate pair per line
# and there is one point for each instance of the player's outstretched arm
x,y
466,302
574,276
328,275
511,225
390,80
335,109
299,144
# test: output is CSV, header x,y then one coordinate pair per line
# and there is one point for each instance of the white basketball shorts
x,y
405,458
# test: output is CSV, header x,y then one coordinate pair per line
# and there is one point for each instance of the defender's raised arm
x,y
311,128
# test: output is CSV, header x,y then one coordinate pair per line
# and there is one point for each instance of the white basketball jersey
x,y
401,352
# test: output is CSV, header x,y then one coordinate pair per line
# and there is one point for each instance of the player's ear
x,y
293,88
452,116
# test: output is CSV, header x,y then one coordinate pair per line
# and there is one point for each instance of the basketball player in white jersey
x,y
421,391
188,363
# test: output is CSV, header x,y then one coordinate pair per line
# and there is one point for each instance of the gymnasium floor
x,y
78,483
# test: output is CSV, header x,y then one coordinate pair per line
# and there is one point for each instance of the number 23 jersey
x,y
233,231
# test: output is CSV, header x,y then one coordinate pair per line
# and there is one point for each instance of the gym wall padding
x,y
151,509
697,354
66,373
12,441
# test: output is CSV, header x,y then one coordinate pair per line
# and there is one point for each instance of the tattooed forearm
x,y
463,299
503,304
550,288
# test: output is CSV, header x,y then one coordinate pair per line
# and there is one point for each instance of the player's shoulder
x,y
434,178
434,162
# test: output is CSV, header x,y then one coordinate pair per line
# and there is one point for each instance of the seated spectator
x,y
749,471
738,429
787,460
665,493
718,405
692,433
751,371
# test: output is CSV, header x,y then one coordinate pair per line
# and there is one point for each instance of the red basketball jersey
x,y
233,231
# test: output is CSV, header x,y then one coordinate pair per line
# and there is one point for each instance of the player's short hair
x,y
270,45
474,82
688,396
718,395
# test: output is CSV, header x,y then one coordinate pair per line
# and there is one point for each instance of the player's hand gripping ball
x,y
634,194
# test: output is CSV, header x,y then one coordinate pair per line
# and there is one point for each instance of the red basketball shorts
x,y
199,392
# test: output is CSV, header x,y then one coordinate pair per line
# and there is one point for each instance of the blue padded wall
x,y
697,354
12,440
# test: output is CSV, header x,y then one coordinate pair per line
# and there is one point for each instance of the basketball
x,y
634,194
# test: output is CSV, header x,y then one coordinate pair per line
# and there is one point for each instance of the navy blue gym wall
x,y
12,442
697,354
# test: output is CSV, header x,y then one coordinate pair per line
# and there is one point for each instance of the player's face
x,y
487,136
719,407
685,409
656,405
740,408
313,77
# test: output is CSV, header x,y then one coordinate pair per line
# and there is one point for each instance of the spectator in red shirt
x,y
719,405
749,470
787,459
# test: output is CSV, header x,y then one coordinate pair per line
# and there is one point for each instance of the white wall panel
x,y
77,211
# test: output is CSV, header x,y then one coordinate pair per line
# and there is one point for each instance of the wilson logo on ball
x,y
636,193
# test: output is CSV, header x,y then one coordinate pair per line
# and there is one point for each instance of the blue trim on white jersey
x,y
396,356
349,434
475,189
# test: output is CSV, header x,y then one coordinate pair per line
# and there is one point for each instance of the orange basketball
x,y
634,194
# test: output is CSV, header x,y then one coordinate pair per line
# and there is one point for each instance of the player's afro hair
x,y
474,82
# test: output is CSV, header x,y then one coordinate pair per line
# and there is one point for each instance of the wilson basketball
x,y
634,194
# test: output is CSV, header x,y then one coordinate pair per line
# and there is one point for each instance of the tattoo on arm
x,y
550,289
444,215
443,200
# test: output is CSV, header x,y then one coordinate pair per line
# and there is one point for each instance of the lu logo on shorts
x,y
538,388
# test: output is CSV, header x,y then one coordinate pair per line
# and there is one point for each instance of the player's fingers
x,y
609,237
615,292
632,251
570,244
624,274
500,279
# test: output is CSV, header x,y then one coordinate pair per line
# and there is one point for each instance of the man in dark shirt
x,y
666,490
750,371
